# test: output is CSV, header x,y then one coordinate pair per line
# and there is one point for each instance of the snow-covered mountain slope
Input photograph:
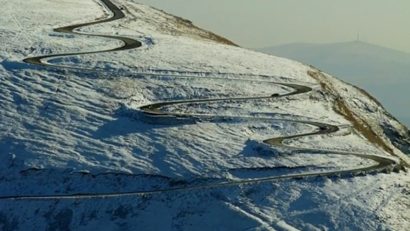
x,y
239,140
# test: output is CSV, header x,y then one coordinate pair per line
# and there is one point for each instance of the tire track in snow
x,y
382,162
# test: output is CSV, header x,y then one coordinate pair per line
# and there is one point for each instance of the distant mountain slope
x,y
383,72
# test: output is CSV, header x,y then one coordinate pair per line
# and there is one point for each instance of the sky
x,y
264,23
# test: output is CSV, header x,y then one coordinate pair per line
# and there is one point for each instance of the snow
x,y
67,131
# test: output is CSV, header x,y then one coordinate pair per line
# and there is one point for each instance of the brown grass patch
x,y
341,107
361,126
207,34
182,22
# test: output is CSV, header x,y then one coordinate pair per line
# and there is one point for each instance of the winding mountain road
x,y
154,110
128,43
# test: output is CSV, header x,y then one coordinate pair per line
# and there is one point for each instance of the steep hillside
x,y
117,116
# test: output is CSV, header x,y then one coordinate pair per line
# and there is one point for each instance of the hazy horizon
x,y
378,22
332,43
